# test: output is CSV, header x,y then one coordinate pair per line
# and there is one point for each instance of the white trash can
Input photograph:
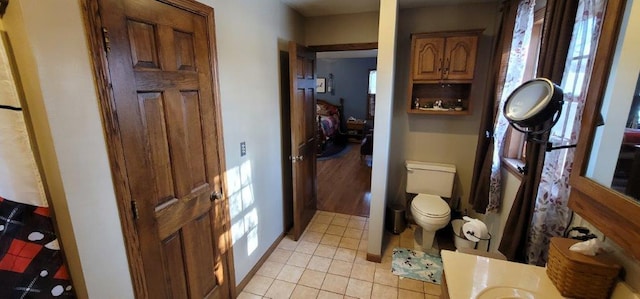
x,y
459,239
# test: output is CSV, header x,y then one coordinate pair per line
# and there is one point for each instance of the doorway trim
x,y
97,48
344,47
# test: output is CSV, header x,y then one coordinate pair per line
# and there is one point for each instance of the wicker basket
x,y
577,275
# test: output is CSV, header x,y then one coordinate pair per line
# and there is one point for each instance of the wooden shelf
x,y
442,70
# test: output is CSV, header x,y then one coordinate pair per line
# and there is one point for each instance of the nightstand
x,y
355,129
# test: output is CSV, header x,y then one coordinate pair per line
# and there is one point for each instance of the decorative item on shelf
x,y
458,106
416,103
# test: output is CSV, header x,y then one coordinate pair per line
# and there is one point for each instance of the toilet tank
x,y
430,178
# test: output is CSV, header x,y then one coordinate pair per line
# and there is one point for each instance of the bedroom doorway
x,y
344,176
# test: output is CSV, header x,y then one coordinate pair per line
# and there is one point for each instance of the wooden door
x,y
460,57
303,135
161,64
428,58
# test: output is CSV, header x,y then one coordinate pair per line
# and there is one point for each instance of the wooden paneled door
x,y
302,62
428,58
460,57
164,129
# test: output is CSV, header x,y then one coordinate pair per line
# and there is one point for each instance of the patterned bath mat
x,y
416,265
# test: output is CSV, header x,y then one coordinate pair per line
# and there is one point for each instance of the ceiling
x,y
315,8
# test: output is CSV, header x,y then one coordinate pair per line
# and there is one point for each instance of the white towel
x,y
20,179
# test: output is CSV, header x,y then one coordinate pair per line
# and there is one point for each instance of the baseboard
x,y
257,266
376,258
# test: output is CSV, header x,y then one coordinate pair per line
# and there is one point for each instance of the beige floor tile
x,y
312,278
331,240
287,244
245,295
290,273
361,257
357,224
359,288
341,268
335,230
349,243
411,284
384,292
258,285
340,215
406,294
306,247
302,292
280,256
335,283
340,221
313,237
363,272
327,213
428,296
344,254
324,219
432,288
385,277
280,289
299,259
325,251
363,245
317,227
384,265
270,269
319,263
359,218
329,295
353,233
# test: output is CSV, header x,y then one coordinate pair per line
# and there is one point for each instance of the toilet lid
x,y
431,205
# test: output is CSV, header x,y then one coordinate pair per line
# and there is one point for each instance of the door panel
x,y
303,136
461,56
429,60
160,70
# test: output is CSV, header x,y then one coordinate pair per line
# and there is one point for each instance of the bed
x,y
330,121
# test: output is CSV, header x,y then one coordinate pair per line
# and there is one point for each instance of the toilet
x,y
432,182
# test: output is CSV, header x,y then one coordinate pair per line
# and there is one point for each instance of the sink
x,y
501,292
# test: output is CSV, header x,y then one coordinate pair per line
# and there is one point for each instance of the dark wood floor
x,y
344,184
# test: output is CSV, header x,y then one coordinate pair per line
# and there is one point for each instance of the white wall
x,y
383,118
250,35
434,138
51,51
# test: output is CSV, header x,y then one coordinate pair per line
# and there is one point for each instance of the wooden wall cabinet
x,y
442,69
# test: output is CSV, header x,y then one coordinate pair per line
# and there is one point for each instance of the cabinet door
x,y
460,57
428,55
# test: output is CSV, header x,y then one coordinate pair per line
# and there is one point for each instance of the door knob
x,y
215,195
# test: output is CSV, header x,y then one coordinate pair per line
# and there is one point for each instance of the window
x,y
371,97
515,142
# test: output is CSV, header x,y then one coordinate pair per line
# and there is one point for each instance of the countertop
x,y
471,276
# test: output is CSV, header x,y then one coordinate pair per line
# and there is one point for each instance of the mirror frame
x,y
613,213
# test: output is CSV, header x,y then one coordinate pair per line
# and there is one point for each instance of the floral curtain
x,y
551,214
514,77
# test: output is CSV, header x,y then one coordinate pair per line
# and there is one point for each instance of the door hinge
x,y
134,209
106,40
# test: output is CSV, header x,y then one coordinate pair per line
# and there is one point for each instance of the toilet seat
x,y
430,205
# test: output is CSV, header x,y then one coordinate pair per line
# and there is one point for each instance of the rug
x,y
416,265
334,150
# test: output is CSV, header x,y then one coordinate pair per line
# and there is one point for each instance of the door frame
x,y
285,99
96,42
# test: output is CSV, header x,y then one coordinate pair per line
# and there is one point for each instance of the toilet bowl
x,y
431,182
431,213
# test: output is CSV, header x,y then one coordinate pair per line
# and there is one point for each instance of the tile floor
x,y
329,261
